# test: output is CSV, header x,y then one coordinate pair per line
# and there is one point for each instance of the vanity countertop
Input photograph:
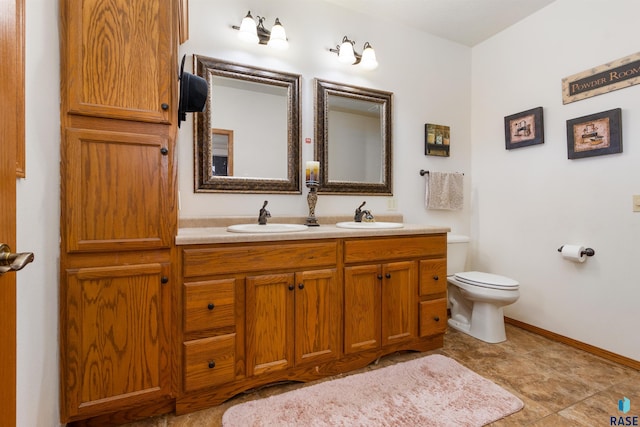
x,y
202,232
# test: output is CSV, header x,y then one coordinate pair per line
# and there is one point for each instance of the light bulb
x,y
346,55
248,31
278,38
368,59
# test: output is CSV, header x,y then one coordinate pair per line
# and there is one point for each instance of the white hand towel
x,y
444,190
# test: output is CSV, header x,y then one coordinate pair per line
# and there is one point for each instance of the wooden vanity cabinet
x,y
380,305
118,212
393,304
279,308
304,310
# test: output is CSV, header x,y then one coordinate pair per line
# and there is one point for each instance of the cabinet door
x,y
116,344
399,302
362,308
317,316
119,59
269,322
117,191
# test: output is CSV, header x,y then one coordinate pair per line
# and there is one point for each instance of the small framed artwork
x,y
436,140
524,129
595,135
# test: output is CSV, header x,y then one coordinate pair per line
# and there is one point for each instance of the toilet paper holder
x,y
587,251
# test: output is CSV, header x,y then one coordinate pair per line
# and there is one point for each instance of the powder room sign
x,y
618,74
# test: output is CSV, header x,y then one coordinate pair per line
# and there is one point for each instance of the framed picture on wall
x,y
524,129
595,135
436,140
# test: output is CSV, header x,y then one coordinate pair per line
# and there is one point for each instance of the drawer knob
x,y
435,277
212,364
210,306
437,318
300,285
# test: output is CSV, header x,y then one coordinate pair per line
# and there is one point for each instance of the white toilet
x,y
475,298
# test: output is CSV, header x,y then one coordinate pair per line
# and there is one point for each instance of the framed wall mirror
x,y
248,138
353,139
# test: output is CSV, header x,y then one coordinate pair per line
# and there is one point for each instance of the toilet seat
x,y
486,280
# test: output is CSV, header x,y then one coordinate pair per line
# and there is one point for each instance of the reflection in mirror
x,y
353,139
247,139
222,152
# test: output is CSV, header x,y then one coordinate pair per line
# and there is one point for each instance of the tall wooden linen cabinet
x,y
119,79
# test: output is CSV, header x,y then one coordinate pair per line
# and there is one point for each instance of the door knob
x,y
13,262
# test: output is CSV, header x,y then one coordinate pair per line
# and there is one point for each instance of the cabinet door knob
x,y
164,151
379,276
437,318
164,280
435,277
300,285
210,306
388,275
212,364
164,106
291,287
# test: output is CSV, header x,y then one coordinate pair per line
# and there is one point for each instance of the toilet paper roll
x,y
574,253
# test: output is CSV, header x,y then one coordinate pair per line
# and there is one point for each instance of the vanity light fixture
x,y
347,55
251,32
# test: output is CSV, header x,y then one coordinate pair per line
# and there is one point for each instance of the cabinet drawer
x,y
209,305
209,361
199,262
371,250
433,317
433,276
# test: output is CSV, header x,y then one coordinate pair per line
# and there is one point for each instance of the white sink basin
x,y
369,225
266,228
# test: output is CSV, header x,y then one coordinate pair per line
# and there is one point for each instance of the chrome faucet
x,y
264,214
363,213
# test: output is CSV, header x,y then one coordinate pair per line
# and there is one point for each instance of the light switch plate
x,y
636,203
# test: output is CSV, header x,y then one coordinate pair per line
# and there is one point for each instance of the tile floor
x,y
559,385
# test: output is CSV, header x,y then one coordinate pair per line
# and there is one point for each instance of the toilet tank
x,y
457,246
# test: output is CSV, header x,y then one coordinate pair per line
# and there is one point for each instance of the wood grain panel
x,y
117,320
200,262
317,316
209,305
433,317
372,250
399,297
119,59
269,322
209,361
117,188
433,276
362,305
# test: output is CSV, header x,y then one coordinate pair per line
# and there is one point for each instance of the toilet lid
x,y
478,278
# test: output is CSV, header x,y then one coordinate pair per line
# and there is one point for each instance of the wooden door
x,y
399,302
361,308
317,316
117,352
269,322
11,123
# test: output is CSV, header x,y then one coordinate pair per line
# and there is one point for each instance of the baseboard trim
x,y
605,354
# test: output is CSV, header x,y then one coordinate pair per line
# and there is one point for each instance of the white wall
x,y
38,225
430,79
529,201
